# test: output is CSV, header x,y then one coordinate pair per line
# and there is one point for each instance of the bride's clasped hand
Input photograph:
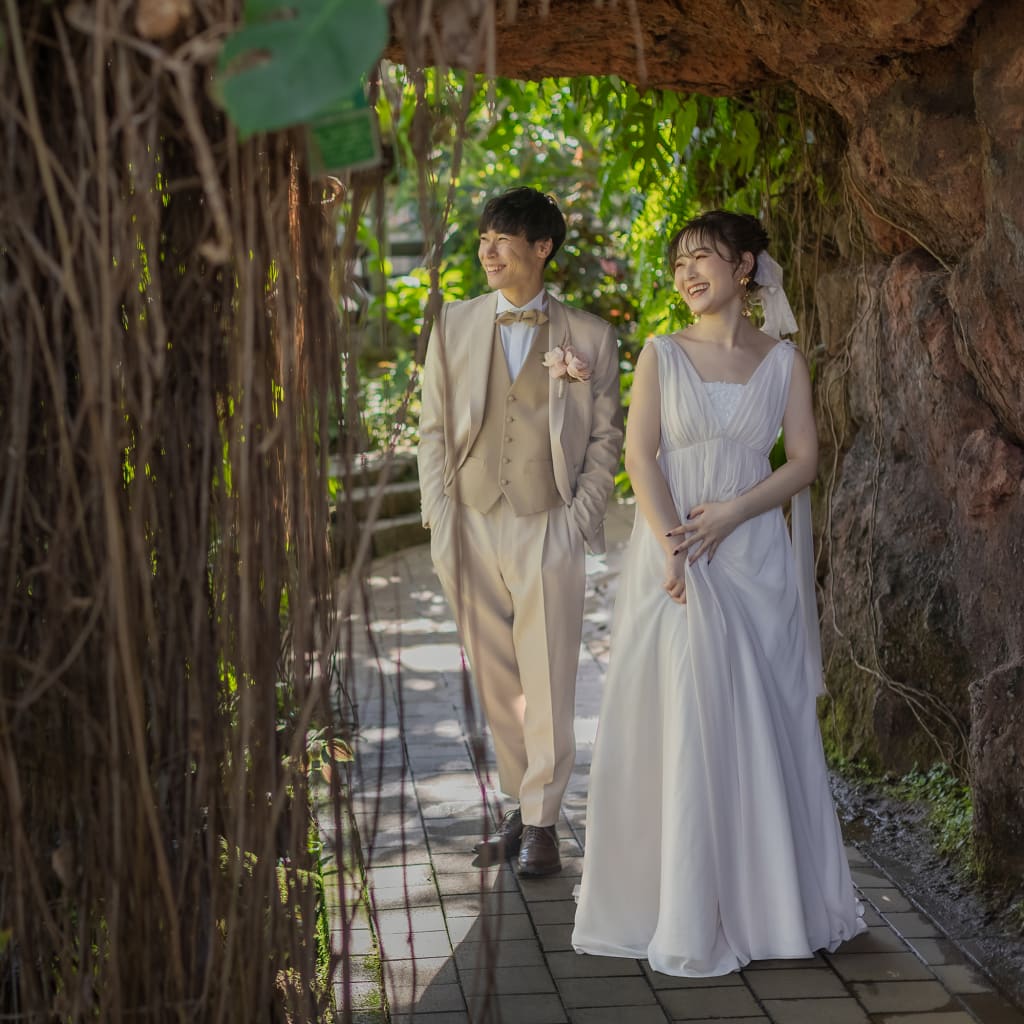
x,y
704,529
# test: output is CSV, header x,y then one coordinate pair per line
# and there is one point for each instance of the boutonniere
x,y
566,362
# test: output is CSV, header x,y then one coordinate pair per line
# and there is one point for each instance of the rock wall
x,y
922,609
936,389
921,388
925,376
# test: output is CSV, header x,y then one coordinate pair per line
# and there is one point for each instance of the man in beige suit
x,y
519,441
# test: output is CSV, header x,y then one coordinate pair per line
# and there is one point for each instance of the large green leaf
x,y
294,59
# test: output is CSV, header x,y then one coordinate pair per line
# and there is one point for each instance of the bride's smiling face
x,y
705,277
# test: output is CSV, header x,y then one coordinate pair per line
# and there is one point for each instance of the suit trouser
x,y
516,585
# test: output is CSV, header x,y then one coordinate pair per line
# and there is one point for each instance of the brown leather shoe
x,y
505,841
538,852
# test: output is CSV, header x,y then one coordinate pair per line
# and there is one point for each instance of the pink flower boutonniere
x,y
566,362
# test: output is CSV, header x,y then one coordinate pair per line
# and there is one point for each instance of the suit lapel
x,y
558,337
480,335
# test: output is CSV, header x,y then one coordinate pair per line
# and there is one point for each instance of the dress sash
x,y
803,553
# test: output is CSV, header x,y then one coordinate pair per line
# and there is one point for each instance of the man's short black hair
x,y
525,211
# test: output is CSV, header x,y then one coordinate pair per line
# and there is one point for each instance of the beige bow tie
x,y
531,317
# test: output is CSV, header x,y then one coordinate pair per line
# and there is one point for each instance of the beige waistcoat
x,y
511,455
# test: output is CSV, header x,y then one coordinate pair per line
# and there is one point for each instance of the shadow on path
x,y
458,943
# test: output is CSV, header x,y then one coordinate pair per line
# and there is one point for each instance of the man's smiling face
x,y
513,265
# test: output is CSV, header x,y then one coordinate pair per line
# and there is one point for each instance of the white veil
x,y
778,314
779,320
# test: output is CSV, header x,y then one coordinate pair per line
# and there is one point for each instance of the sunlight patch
x,y
586,730
381,734
420,685
450,728
433,658
378,582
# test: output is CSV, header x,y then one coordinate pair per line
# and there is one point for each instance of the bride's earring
x,y
745,281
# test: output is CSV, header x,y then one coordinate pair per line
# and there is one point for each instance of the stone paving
x,y
459,943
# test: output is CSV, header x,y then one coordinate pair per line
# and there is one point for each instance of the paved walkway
x,y
458,943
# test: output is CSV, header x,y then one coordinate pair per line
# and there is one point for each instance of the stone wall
x,y
925,375
921,387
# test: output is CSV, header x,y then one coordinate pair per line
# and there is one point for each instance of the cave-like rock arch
x,y
922,333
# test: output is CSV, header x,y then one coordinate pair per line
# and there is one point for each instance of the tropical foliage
x,y
626,165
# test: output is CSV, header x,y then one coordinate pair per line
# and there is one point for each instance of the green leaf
x,y
747,140
295,59
686,121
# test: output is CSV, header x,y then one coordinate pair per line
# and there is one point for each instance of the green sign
x,y
345,137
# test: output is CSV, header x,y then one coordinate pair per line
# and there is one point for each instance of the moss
x,y
950,811
370,996
847,721
946,800
368,1000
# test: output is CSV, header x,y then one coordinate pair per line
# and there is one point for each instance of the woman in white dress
x,y
712,839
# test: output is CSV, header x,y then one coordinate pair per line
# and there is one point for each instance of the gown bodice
x,y
695,411
725,397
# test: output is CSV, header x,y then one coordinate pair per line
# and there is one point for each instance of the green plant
x,y
945,798
950,809
627,166
854,770
383,391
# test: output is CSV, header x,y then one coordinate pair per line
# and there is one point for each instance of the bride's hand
x,y
706,526
675,578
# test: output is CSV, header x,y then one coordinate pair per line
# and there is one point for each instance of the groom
x,y
520,434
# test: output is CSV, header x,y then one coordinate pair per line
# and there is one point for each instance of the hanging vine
x,y
183,332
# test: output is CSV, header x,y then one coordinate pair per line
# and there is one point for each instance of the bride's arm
x,y
643,437
709,524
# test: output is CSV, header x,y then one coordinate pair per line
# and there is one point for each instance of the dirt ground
x,y
895,835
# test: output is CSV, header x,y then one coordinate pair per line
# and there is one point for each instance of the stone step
x,y
389,535
366,467
398,499
398,518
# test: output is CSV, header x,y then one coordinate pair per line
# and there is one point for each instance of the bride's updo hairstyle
x,y
729,234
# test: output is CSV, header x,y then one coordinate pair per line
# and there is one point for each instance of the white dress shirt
x,y
517,339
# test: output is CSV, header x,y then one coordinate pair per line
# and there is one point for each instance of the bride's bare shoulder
x,y
759,343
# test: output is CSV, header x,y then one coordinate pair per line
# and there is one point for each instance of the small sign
x,y
344,138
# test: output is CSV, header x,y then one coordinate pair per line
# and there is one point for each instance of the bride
x,y
711,836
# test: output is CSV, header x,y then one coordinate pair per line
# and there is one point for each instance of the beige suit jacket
x,y
585,420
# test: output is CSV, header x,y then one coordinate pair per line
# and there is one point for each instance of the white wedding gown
x,y
712,839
